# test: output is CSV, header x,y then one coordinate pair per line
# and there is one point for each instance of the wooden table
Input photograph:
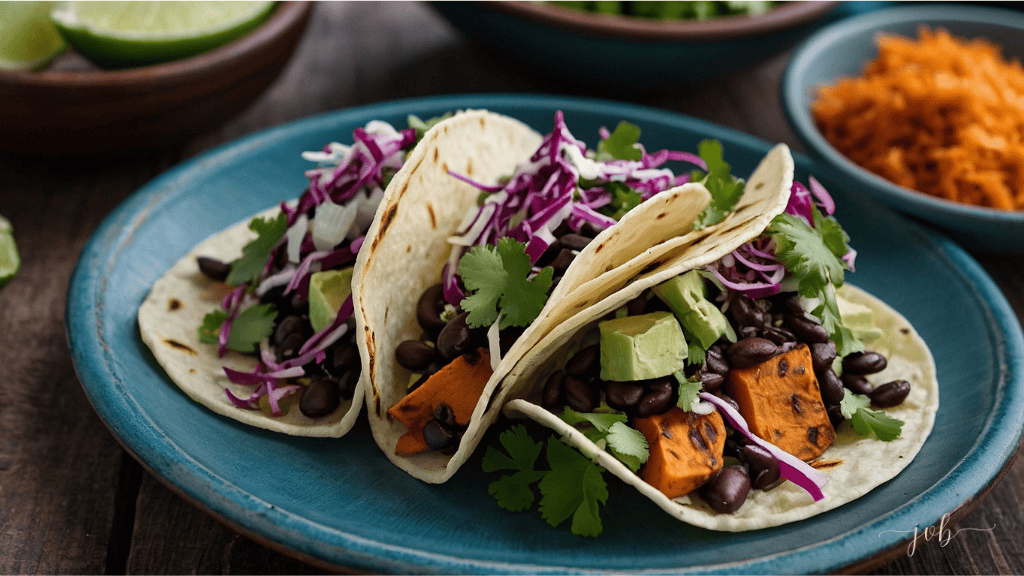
x,y
73,501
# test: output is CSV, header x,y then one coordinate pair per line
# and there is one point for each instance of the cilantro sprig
x,y
248,329
498,278
814,256
725,188
609,429
621,144
867,422
421,126
572,486
689,391
256,253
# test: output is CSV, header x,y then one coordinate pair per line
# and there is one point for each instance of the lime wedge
x,y
28,40
9,260
126,34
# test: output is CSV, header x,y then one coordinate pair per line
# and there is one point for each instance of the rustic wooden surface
x,y
72,501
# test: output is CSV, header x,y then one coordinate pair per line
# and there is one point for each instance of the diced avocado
x,y
327,291
641,347
702,320
859,319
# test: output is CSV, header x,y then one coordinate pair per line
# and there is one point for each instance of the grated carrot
x,y
941,115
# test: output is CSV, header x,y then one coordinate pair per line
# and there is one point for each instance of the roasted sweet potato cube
x,y
459,384
781,402
686,450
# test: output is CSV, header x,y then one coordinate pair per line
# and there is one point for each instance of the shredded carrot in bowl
x,y
941,115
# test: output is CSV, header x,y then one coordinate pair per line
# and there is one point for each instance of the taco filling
x,y
282,337
508,256
735,376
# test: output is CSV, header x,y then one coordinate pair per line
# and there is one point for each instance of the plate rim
x,y
83,321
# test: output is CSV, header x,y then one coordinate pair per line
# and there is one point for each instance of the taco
x,y
746,391
255,322
489,237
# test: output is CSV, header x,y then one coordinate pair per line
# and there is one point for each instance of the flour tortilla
x,y
423,206
855,465
169,319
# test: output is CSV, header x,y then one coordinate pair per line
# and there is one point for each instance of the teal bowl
x,y
841,50
612,54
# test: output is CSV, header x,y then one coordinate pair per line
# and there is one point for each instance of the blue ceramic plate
x,y
342,503
842,50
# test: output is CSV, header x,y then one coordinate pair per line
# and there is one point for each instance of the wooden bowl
x,y
611,54
86,114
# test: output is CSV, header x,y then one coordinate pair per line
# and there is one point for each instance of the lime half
x,y
126,34
9,260
28,39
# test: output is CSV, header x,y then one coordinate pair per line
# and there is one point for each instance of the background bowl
x,y
842,49
623,53
84,114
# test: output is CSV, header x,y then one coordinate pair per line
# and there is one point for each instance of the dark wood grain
x,y
72,501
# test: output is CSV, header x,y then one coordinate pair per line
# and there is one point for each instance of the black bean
x,y
835,416
585,363
711,381
553,397
750,351
298,303
763,466
831,388
890,394
660,396
822,355
716,362
436,436
777,335
791,303
213,268
745,312
429,309
856,383
727,491
341,357
455,338
805,328
414,355
563,260
320,398
290,346
444,414
291,324
623,395
575,242
347,382
579,395
864,363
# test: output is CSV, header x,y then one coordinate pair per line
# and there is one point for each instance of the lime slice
x,y
125,34
9,260
28,40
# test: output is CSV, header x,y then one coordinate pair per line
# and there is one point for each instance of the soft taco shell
x,y
656,230
855,465
169,319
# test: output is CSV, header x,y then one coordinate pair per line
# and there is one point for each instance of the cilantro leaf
x,y
689,389
725,188
620,144
256,253
867,422
610,429
804,252
249,328
421,126
623,200
828,313
513,491
574,487
499,278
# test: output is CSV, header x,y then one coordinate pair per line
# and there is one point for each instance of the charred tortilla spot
x,y
179,346
433,218
408,249
191,370
385,221
444,167
904,331
598,249
819,464
759,185
662,215
469,166
437,154
173,304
